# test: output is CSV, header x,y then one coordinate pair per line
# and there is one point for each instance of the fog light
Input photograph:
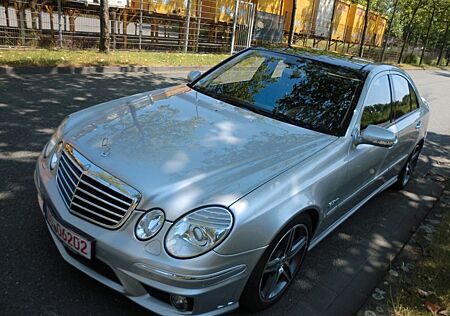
x,y
180,302
149,224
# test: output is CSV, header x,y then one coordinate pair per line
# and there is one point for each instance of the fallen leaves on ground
x,y
434,308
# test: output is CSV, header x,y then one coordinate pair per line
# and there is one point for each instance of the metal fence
x,y
192,26
77,26
335,36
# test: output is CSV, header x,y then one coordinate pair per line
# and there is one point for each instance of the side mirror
x,y
377,136
192,75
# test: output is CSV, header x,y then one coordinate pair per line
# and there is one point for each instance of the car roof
x,y
354,64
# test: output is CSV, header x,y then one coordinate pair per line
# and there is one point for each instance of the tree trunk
x,y
34,14
104,29
6,5
125,28
444,44
187,26
49,9
408,32
292,26
141,8
388,33
72,18
363,37
430,25
330,31
21,21
415,40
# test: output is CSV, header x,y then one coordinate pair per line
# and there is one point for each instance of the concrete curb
x,y
94,70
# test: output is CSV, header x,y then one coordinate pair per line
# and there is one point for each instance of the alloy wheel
x,y
283,263
410,165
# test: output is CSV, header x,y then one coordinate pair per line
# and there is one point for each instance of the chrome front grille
x,y
91,193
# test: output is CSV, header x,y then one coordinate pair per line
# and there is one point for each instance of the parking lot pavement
x,y
337,275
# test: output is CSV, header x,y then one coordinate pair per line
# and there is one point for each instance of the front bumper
x,y
143,271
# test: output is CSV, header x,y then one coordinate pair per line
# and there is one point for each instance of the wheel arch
x,y
314,215
421,142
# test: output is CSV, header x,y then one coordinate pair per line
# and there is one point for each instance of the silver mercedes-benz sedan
x,y
206,196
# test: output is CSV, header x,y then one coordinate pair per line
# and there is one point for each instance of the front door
x,y
365,161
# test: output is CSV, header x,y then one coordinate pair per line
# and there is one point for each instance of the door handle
x,y
418,124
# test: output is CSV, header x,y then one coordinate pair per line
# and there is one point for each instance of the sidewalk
x,y
385,297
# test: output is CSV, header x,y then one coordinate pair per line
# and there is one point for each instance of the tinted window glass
x,y
402,98
414,101
377,108
293,89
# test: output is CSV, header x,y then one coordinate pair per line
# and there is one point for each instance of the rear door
x,y
407,123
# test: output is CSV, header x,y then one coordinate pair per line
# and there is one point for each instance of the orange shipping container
x,y
175,7
341,16
304,16
371,28
225,10
380,29
271,6
355,23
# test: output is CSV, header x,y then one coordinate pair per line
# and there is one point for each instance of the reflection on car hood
x,y
182,149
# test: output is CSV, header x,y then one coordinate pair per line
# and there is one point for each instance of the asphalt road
x,y
337,276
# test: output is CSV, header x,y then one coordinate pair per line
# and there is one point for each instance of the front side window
x,y
402,97
377,108
293,89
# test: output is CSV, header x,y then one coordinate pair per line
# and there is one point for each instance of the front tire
x,y
408,169
278,265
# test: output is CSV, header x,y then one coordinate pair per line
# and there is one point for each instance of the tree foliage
x,y
421,20
417,23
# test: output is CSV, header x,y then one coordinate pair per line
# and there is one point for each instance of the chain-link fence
x,y
199,26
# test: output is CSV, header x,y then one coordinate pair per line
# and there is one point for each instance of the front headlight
x,y
198,232
55,156
55,139
50,146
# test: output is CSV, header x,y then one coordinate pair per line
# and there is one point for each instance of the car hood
x,y
182,149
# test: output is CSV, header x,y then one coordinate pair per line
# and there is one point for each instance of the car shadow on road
x,y
336,277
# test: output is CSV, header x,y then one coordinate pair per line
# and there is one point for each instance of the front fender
x,y
311,185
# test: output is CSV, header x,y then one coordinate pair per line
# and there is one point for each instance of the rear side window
x,y
377,108
414,101
402,96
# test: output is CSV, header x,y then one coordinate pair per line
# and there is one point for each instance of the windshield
x,y
293,89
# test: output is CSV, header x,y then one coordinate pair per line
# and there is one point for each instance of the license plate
x,y
71,239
